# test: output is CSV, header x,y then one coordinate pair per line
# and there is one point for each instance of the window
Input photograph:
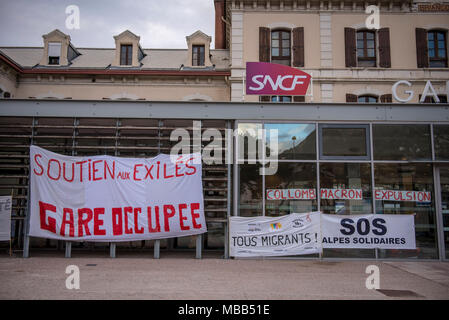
x,y
126,54
54,52
409,177
366,49
366,99
436,43
280,47
198,56
441,141
401,142
295,140
291,178
281,99
430,99
344,141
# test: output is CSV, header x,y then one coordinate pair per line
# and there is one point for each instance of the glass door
x,y
444,207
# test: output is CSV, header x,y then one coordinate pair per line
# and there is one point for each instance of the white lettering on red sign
x,y
397,195
291,194
342,194
279,82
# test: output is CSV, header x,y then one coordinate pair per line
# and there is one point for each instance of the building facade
x,y
349,131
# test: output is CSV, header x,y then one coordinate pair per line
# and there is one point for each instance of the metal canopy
x,y
226,110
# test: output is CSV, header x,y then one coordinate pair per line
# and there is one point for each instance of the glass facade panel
x,y
247,140
295,140
344,141
401,142
250,193
355,178
346,188
444,183
409,177
291,189
346,180
441,141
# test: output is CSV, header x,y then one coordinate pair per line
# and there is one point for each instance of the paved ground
x,y
179,276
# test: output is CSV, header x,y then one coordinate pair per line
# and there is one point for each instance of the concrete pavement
x,y
136,275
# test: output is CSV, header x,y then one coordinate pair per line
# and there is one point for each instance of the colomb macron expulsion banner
x,y
104,198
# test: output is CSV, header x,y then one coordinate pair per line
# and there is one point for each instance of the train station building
x,y
375,117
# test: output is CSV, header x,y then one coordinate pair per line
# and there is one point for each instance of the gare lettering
x,y
279,84
125,220
428,91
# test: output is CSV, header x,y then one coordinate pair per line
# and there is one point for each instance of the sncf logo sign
x,y
264,78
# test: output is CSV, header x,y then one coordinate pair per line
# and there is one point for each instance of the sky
x,y
160,24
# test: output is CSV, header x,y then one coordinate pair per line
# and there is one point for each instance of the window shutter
x,y
264,44
265,98
421,48
384,48
299,99
350,48
298,47
351,97
386,98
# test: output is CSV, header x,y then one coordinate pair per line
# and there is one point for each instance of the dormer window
x,y
54,53
198,55
198,51
58,50
126,54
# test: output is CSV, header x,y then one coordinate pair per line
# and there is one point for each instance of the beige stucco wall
x,y
402,34
310,21
169,92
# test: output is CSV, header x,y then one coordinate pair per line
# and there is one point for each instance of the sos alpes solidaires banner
x,y
263,78
104,198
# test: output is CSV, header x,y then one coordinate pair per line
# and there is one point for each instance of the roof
x,y
96,58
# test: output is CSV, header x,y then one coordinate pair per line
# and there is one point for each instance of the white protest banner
x,y
383,231
5,218
291,194
342,194
104,198
293,234
397,195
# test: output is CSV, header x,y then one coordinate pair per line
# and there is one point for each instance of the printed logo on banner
x,y
254,227
275,226
298,223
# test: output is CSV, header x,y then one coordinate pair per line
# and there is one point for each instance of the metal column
x,y
112,247
157,249
199,243
68,249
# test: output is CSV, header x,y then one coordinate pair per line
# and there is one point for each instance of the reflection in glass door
x,y
444,185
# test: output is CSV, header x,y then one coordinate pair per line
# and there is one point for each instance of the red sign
x,y
397,195
291,194
264,78
342,194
